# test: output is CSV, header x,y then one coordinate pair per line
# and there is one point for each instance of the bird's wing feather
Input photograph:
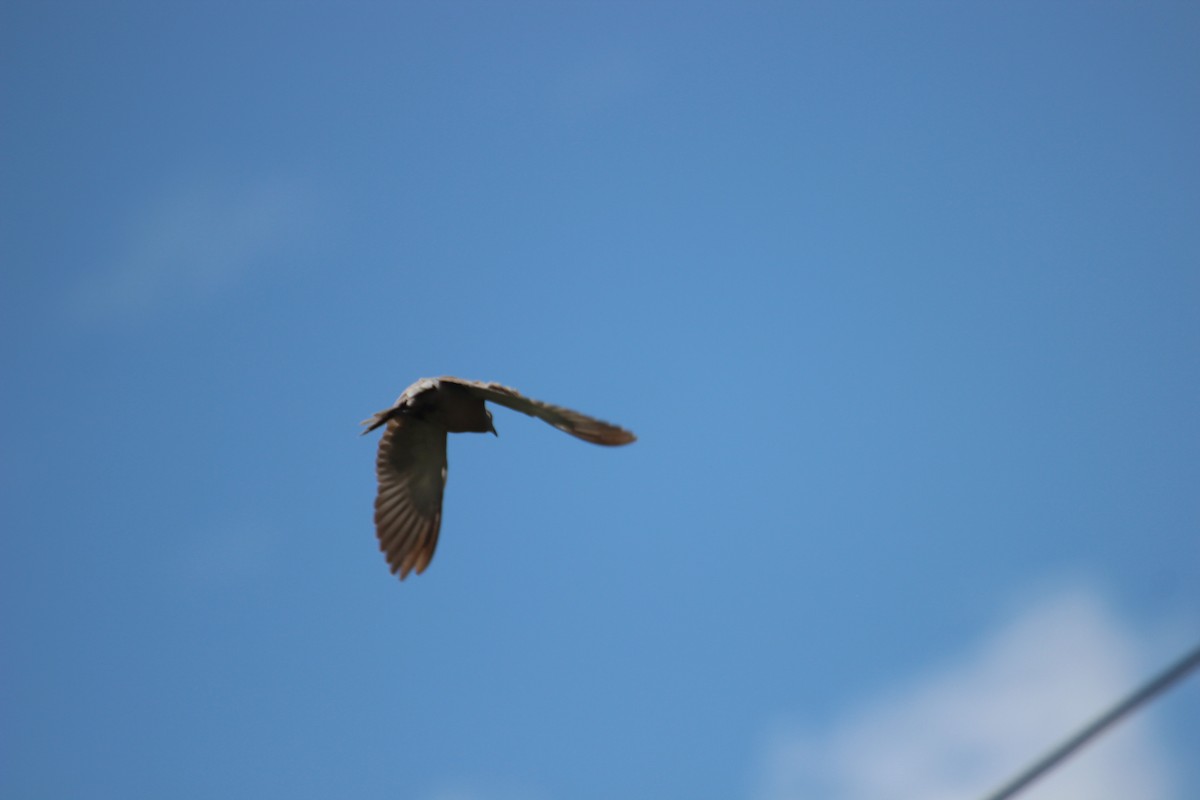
x,y
579,425
411,468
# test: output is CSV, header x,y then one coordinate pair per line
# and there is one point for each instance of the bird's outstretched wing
x,y
411,468
579,425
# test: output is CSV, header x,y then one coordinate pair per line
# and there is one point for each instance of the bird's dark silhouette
x,y
411,463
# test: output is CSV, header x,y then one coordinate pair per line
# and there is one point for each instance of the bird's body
x,y
440,401
411,463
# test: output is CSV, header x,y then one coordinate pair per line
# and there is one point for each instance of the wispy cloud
x,y
601,81
197,240
235,552
493,792
964,730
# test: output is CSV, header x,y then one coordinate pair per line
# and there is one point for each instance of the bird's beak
x,y
492,426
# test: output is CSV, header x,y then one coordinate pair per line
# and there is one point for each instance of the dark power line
x,y
1048,762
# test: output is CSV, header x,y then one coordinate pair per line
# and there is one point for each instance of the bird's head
x,y
491,426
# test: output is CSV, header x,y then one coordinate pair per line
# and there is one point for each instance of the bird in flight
x,y
411,463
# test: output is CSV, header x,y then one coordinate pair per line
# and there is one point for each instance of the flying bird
x,y
411,463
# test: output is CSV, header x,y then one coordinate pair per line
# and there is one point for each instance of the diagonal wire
x,y
1048,762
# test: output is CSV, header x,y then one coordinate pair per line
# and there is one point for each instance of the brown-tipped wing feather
x,y
579,425
411,467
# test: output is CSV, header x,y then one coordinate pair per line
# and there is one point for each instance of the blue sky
x,y
899,298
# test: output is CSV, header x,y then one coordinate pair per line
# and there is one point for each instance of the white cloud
x,y
965,730
199,239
